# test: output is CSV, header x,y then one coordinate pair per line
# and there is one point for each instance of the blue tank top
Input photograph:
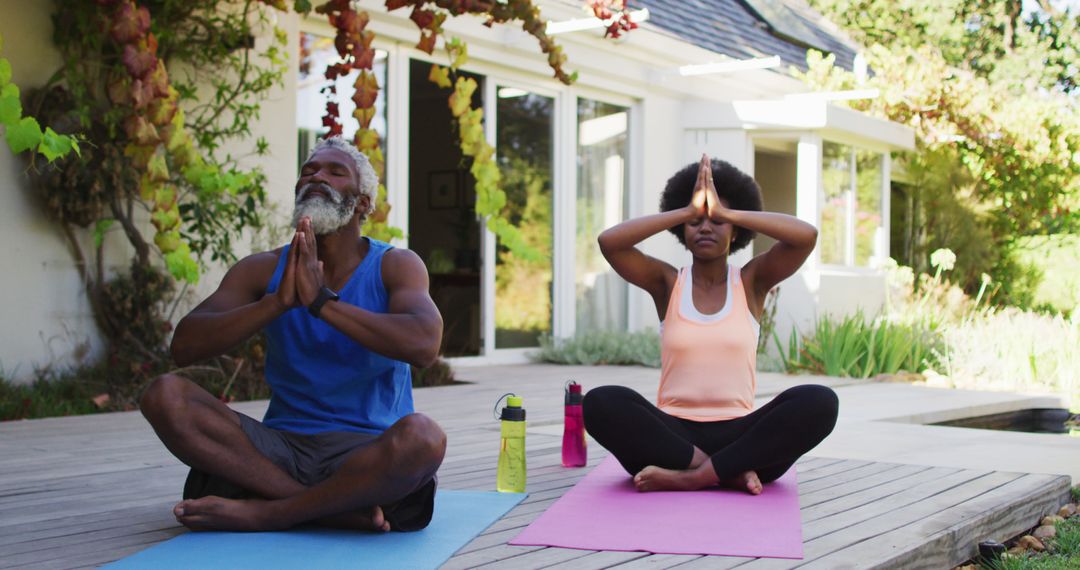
x,y
322,380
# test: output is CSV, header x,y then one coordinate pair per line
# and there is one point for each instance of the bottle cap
x,y
573,394
513,410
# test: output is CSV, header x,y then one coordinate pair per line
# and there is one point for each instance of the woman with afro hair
x,y
703,430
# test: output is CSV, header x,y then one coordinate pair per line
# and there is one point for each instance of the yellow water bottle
x,y
510,477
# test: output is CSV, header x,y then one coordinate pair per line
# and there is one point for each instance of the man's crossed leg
x,y
379,483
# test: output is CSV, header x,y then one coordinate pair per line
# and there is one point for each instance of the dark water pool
x,y
1031,420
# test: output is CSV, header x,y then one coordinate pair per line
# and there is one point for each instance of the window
x,y
602,152
316,53
851,214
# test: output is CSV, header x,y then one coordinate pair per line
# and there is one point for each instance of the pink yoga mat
x,y
604,512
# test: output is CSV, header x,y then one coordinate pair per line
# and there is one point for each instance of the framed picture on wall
x,y
444,190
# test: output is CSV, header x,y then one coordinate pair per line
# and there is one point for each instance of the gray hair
x,y
368,181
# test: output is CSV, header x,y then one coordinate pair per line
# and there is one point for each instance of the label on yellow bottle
x,y
510,477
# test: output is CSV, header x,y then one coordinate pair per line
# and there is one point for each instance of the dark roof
x,y
751,28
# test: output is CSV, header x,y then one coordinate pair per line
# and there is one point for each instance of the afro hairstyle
x,y
735,187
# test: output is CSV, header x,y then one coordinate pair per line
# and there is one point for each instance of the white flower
x,y
986,280
943,259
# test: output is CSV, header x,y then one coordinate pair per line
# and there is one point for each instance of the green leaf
x,y
10,105
5,72
54,145
157,168
24,135
302,6
181,265
100,228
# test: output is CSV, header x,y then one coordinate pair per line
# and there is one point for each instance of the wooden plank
x,y
466,559
599,560
949,537
890,514
657,562
541,558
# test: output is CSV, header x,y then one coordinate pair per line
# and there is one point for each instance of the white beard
x,y
328,215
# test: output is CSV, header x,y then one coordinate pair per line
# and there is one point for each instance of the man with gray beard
x,y
344,317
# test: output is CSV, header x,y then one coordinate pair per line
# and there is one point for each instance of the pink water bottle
x,y
574,453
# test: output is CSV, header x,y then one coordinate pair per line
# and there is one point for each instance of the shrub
x,y
438,374
854,347
604,347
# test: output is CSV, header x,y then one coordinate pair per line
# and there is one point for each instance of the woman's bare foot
x,y
653,478
748,481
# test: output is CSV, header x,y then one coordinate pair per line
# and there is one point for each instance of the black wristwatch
x,y
325,294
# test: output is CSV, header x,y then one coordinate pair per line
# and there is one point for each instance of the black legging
x,y
768,440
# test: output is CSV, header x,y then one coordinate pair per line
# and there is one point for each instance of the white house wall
x,y
45,317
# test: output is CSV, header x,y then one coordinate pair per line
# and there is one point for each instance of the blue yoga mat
x,y
459,516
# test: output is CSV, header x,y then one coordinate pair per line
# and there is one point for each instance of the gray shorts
x,y
311,458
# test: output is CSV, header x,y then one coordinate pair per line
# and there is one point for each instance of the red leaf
x,y
426,43
138,63
367,90
141,94
423,18
129,23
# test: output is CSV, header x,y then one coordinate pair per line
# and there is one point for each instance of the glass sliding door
x,y
443,229
524,126
602,152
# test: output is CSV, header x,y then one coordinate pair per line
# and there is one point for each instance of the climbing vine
x,y
24,133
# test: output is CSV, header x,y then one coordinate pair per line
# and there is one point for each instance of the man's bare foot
x,y
365,519
747,481
216,513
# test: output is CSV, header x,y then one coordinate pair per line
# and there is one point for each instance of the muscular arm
x,y
238,309
412,329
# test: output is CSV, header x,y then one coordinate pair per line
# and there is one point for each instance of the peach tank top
x,y
707,370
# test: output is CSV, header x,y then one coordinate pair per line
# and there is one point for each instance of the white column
x,y
809,193
564,217
883,243
397,144
635,192
487,238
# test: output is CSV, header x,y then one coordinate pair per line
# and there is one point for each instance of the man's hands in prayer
x,y
303,274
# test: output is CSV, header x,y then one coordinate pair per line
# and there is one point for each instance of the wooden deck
x,y
80,492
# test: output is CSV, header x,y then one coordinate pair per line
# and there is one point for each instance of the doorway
x,y
443,229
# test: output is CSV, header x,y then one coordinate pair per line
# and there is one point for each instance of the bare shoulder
x,y
254,271
403,268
